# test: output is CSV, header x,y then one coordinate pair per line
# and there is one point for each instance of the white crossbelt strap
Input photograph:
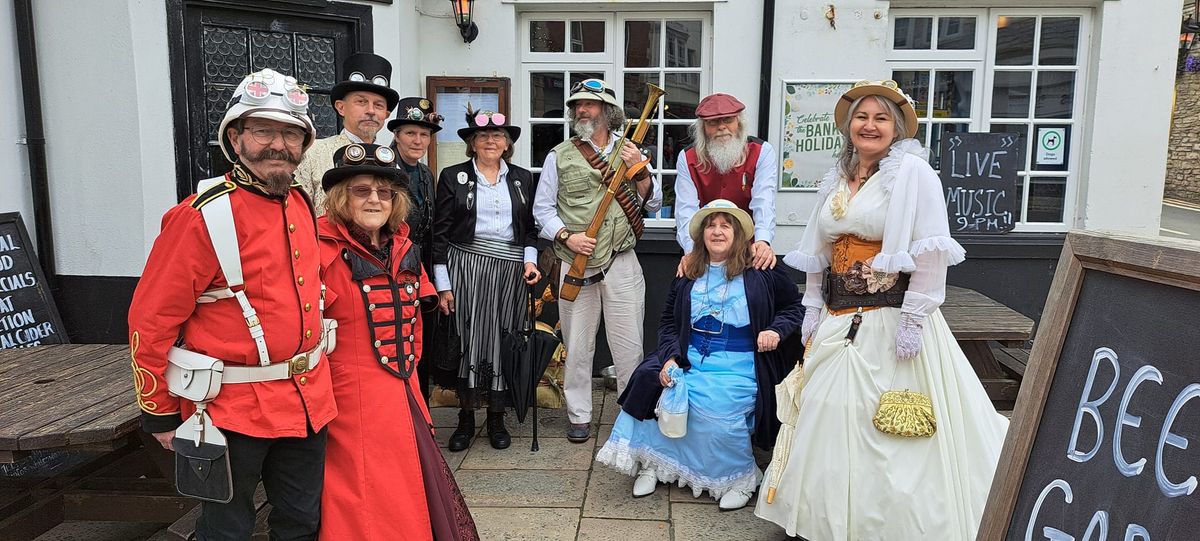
x,y
218,219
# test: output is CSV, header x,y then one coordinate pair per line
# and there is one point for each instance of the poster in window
x,y
810,141
451,97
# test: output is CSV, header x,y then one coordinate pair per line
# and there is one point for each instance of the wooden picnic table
x,y
977,321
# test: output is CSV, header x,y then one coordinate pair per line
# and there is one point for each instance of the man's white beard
x,y
585,128
726,154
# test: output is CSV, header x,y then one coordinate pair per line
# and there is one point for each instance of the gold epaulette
x,y
212,193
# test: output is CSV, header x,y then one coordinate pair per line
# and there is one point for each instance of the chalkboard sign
x,y
1105,439
28,316
979,174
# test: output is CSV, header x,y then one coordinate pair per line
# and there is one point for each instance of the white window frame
x,y
612,63
982,92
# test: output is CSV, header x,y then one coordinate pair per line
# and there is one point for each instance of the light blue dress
x,y
715,455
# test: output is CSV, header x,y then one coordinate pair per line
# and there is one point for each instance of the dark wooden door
x,y
215,43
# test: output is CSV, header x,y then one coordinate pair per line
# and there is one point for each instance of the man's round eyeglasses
x,y
266,136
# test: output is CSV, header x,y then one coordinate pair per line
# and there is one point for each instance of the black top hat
x,y
367,72
488,120
363,159
416,111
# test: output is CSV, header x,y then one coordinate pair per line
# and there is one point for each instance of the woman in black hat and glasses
x,y
384,475
484,254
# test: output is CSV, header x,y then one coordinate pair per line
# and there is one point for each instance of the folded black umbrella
x,y
524,355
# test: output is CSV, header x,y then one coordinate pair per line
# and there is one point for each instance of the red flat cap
x,y
718,105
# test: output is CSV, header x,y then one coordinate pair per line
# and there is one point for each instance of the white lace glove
x,y
908,336
811,317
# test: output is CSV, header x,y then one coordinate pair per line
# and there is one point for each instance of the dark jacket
x,y
774,303
455,222
420,218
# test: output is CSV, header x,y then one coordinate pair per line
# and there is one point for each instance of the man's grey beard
x,y
585,128
726,154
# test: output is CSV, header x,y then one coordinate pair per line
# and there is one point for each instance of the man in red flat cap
x,y
723,163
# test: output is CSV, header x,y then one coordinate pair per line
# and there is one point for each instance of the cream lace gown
x,y
845,480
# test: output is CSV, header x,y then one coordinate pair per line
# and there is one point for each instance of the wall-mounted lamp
x,y
462,17
1187,33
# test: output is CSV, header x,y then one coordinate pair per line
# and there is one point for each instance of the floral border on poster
x,y
809,141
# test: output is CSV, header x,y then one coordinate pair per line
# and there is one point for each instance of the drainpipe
x,y
764,70
35,138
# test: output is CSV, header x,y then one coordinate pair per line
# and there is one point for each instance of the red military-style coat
x,y
374,489
280,265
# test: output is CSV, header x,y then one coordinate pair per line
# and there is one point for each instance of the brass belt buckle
x,y
298,365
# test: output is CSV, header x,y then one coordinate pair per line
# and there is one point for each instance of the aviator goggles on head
x,y
594,86
258,92
484,118
415,113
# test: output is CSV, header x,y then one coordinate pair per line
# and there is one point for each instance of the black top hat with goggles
x,y
418,112
363,159
366,72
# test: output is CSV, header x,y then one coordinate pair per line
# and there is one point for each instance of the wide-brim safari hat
x,y
593,89
363,159
889,90
721,205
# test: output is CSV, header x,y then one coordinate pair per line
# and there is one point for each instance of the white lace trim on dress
x,y
620,456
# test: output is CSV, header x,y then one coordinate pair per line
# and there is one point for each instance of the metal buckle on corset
x,y
298,364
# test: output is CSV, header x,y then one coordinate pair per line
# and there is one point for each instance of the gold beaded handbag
x,y
905,413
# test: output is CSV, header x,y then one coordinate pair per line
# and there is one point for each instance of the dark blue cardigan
x,y
774,303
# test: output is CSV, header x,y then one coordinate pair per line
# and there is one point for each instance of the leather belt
x,y
582,282
284,369
842,296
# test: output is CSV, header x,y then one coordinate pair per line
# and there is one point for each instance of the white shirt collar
x,y
503,169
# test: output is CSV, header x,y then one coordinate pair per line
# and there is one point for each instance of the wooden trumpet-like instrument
x,y
612,182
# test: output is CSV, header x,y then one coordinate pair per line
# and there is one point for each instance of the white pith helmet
x,y
270,95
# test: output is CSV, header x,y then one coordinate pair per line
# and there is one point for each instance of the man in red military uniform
x,y
275,398
723,163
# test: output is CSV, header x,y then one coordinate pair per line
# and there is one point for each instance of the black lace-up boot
x,y
461,438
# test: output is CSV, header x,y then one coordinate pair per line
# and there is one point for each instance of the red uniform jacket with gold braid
x,y
280,261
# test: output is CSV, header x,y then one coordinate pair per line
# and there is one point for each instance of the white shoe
x,y
734,499
645,483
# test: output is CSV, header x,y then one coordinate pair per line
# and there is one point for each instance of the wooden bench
x,y
78,397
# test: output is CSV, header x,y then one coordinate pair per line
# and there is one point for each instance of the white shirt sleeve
x,y
762,194
531,254
927,284
655,202
687,202
545,201
441,277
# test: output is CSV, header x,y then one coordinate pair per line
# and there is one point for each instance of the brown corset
x,y
847,251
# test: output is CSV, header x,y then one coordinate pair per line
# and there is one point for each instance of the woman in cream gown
x,y
844,479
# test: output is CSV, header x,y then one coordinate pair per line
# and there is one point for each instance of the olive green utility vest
x,y
579,193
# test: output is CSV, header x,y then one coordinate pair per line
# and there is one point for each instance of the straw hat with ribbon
x,y
888,90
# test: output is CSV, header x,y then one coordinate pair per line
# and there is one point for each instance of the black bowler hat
x,y
369,73
418,112
363,159
488,120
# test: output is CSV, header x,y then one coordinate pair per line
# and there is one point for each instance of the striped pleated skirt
x,y
489,297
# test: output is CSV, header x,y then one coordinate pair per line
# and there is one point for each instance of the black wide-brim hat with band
x,y
363,159
368,73
416,112
490,121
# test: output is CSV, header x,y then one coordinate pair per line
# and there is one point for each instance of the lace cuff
x,y
954,251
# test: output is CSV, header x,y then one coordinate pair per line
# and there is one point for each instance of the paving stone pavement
x,y
561,492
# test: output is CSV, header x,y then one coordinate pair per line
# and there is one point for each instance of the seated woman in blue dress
x,y
730,328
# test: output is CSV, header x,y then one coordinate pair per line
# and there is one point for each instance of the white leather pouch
x,y
329,327
193,376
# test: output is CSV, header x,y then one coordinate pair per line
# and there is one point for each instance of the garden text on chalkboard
x,y
28,316
979,174
1105,439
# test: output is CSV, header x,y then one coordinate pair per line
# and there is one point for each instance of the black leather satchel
x,y
845,290
202,471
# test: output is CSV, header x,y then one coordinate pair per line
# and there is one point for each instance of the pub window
x,y
1023,74
667,49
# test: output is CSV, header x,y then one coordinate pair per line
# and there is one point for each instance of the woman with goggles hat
x,y
384,475
876,252
484,253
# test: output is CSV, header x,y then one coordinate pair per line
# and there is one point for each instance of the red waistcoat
x,y
734,185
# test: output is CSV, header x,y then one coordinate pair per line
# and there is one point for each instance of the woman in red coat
x,y
384,476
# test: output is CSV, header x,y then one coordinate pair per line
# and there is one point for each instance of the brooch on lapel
x,y
462,177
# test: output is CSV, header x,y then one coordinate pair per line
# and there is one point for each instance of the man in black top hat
x,y
413,130
364,100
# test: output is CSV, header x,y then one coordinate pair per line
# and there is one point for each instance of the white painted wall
x,y
808,48
1136,44
15,191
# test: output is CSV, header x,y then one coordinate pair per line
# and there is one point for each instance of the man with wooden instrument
x,y
723,163
569,192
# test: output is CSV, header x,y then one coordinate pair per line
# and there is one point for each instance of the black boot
x,y
461,438
496,432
